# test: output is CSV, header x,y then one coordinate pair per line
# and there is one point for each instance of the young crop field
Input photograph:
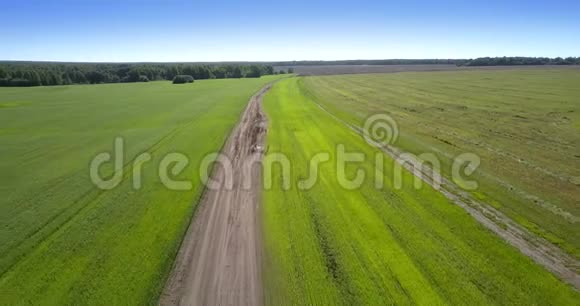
x,y
178,153
308,231
523,124
63,240
330,245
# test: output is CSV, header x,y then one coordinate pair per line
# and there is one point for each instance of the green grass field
x,y
524,125
62,240
332,246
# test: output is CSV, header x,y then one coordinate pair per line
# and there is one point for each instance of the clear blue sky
x,y
171,30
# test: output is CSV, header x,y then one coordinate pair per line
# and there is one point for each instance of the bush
x,y
19,82
143,78
182,79
5,82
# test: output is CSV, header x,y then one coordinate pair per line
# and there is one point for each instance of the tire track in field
x,y
540,250
219,261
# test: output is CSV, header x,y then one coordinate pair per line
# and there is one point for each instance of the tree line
x,y
518,60
51,73
48,73
372,62
482,61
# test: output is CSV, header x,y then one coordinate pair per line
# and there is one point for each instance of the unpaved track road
x,y
219,262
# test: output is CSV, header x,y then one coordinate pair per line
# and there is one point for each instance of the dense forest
x,y
52,73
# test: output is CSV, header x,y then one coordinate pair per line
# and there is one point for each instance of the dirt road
x,y
219,262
